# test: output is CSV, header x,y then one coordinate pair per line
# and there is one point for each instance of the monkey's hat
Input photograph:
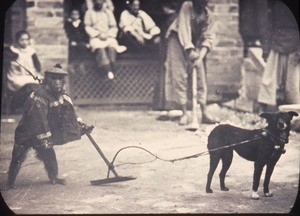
x,y
57,70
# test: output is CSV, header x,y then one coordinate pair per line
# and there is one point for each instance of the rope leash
x,y
156,157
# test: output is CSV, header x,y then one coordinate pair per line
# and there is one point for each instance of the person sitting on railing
x,y
101,26
19,81
138,28
75,30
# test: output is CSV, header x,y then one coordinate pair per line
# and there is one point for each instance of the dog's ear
x,y
292,114
266,116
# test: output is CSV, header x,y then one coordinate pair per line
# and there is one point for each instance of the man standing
x,y
49,119
281,50
190,38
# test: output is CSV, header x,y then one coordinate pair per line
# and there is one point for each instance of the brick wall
x,y
15,20
45,24
225,60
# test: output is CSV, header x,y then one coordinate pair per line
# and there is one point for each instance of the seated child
x,y
78,39
19,81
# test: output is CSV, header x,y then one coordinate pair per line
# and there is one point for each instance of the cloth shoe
x,y
110,75
121,49
208,120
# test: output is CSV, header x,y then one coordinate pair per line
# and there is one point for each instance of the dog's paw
x,y
208,190
224,189
268,194
255,195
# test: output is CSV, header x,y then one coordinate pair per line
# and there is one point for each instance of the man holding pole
x,y
190,38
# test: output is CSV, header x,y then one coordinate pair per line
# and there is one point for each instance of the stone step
x,y
50,62
52,51
44,12
44,36
45,22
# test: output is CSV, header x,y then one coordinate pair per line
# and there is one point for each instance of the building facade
x,y
44,19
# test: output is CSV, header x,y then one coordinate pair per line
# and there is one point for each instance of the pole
x,y
194,124
102,155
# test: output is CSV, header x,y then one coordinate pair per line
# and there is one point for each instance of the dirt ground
x,y
160,187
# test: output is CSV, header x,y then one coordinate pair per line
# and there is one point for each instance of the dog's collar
x,y
266,132
277,147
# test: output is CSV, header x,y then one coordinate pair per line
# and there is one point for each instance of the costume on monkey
x,y
49,119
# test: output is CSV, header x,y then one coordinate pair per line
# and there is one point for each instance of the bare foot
x,y
208,120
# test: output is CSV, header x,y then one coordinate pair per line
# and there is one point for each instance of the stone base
x,y
240,104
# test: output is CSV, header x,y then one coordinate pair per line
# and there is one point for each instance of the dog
x,y
262,146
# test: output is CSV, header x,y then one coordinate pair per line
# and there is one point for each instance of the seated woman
x,y
138,28
19,80
101,27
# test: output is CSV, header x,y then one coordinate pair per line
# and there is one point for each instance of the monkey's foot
x,y
208,190
58,181
8,187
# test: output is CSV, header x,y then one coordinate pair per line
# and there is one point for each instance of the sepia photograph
x,y
150,107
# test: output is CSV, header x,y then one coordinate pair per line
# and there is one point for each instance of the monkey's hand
x,y
84,128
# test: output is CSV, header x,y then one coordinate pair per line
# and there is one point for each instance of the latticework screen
x,y
133,84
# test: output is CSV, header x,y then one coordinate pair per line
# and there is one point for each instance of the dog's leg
x,y
18,157
269,171
226,162
258,168
49,158
214,161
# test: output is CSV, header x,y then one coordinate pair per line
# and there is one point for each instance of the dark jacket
x,y
46,117
284,30
253,19
77,34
